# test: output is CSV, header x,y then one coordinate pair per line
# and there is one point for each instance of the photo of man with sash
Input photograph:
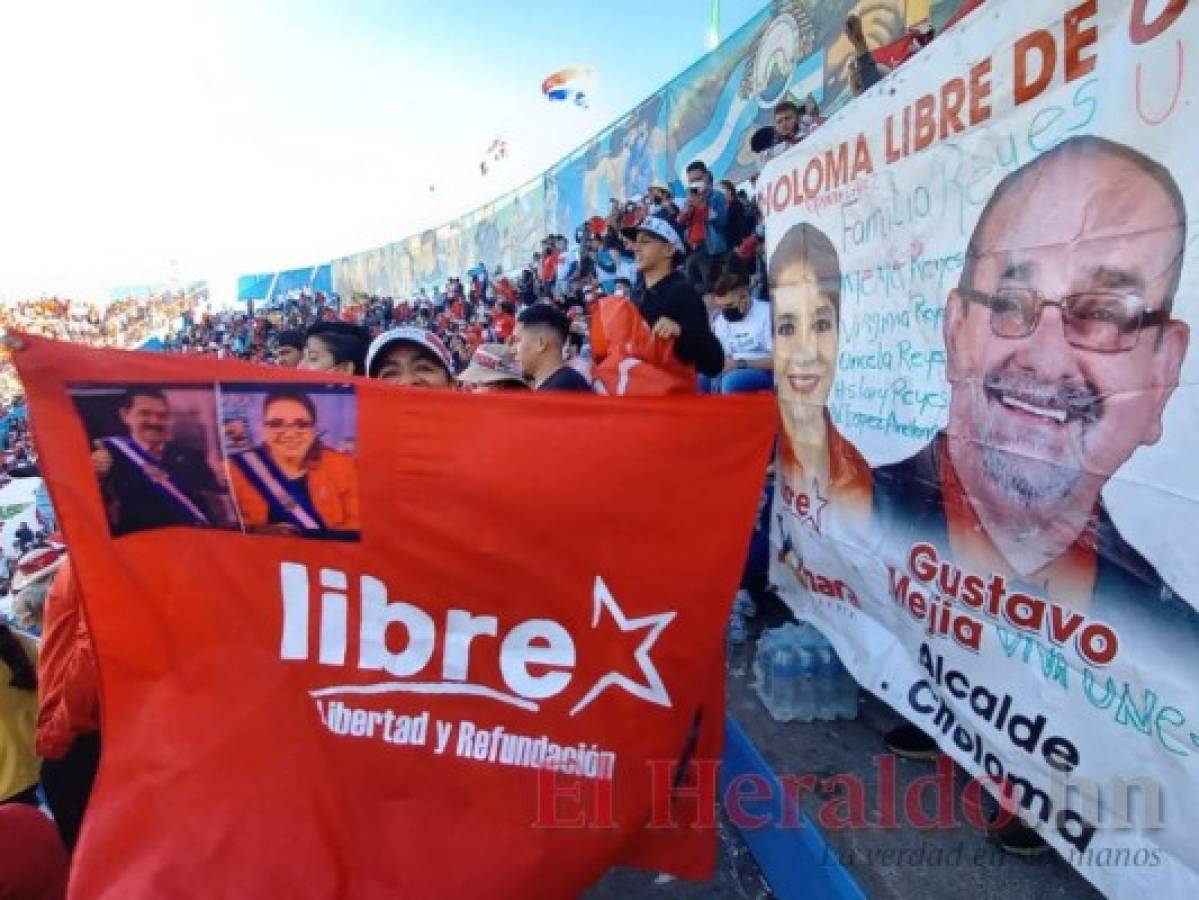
x,y
290,482
150,480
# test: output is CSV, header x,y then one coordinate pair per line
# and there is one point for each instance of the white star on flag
x,y
653,690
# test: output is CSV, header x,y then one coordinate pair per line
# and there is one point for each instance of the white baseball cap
x,y
408,334
659,228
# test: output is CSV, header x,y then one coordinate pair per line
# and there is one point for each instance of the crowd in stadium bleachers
x,y
677,281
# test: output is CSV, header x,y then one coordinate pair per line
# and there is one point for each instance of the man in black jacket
x,y
669,303
148,480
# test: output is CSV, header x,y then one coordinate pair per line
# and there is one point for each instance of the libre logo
x,y
537,657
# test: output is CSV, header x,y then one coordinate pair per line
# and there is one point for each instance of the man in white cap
x,y
669,304
410,357
493,369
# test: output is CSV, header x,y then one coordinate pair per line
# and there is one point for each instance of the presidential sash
x,y
275,488
159,478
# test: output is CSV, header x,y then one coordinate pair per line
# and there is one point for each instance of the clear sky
x,y
149,139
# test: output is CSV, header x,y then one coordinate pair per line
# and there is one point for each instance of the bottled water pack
x,y
799,678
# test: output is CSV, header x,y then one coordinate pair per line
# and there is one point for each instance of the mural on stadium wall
x,y
791,49
502,233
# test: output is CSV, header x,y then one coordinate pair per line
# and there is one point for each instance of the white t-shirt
x,y
751,338
562,276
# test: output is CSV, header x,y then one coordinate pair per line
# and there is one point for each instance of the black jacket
x,y
675,298
739,226
1129,595
134,504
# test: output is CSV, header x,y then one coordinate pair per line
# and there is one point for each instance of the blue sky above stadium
x,y
147,141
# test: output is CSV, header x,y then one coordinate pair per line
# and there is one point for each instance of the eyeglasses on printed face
x,y
293,424
1102,321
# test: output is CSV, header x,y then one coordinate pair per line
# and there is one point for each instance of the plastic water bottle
x,y
847,694
763,668
788,674
744,604
803,636
826,691
786,668
737,645
757,669
806,701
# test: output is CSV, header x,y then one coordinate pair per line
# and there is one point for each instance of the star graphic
x,y
652,689
815,507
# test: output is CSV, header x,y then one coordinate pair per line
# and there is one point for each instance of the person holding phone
x,y
704,221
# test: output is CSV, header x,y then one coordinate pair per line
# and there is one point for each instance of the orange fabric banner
x,y
446,649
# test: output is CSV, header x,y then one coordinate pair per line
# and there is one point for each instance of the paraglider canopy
x,y
572,84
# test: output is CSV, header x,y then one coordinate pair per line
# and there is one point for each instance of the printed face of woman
x,y
805,344
289,431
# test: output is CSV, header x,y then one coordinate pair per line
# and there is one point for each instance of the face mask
x,y
732,314
619,292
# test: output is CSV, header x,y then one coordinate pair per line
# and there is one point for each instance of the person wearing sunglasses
x,y
291,483
1062,353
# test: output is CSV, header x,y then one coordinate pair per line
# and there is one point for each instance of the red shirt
x,y
504,326
33,863
696,220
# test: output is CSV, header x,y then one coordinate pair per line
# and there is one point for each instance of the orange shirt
x,y
68,689
332,484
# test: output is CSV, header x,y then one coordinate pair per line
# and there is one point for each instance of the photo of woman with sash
x,y
291,483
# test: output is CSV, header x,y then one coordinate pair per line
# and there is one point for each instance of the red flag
x,y
476,683
892,55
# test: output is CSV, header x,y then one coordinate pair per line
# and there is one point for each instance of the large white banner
x,y
984,280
